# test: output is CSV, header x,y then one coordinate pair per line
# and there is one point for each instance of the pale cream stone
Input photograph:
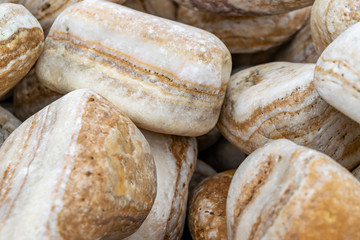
x,y
166,76
329,18
175,159
337,73
279,100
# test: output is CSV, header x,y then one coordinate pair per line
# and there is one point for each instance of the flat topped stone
x,y
165,76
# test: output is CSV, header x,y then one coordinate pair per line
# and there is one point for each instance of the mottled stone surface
x,y
279,100
286,191
78,169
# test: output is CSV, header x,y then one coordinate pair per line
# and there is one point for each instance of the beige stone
x,y
78,169
166,76
279,100
21,43
329,18
247,34
337,73
175,159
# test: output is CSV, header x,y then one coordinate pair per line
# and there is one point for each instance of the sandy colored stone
x,y
46,11
78,169
30,96
279,100
301,49
21,43
8,123
329,18
245,7
247,34
286,191
207,209
175,159
337,73
166,76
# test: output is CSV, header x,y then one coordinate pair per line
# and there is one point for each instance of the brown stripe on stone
x,y
297,97
9,172
32,157
179,148
252,189
54,11
106,194
24,41
260,229
61,175
75,43
336,75
19,43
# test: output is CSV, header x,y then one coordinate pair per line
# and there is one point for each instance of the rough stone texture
x,y
175,159
279,100
329,18
286,191
21,43
78,169
337,73
207,209
166,76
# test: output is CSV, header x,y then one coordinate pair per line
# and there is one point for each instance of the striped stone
x,y
279,100
21,43
286,191
46,11
245,7
175,159
78,169
337,73
166,76
329,18
247,34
